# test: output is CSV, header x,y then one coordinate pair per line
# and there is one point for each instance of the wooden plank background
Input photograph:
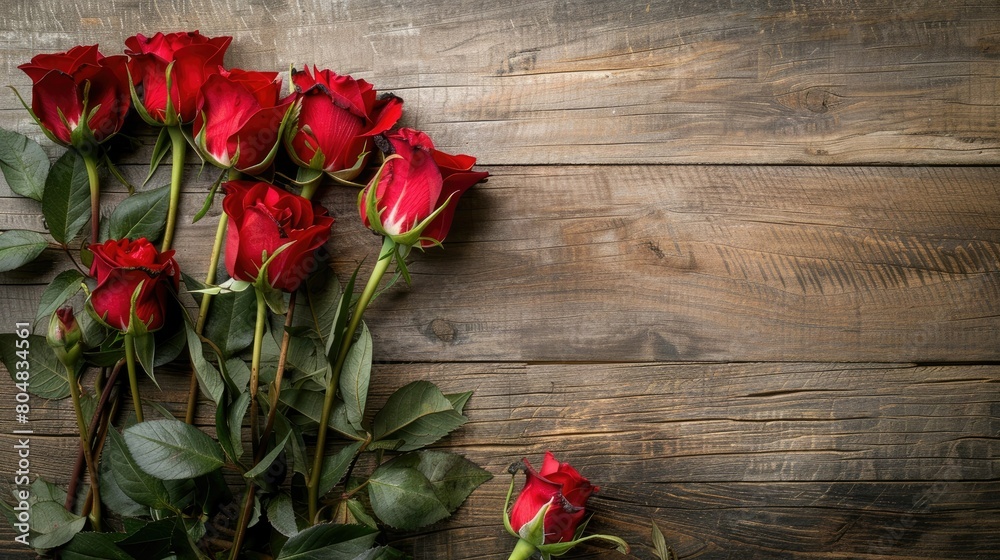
x,y
781,344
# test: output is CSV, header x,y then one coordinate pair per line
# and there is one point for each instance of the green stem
x,y
248,501
522,551
206,303
206,299
95,198
244,520
309,187
385,258
178,148
88,455
258,345
132,379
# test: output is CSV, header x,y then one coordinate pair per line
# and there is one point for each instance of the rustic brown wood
x,y
831,460
583,263
610,82
672,263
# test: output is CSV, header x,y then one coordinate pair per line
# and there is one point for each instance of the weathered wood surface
x,y
806,268
684,81
759,460
641,263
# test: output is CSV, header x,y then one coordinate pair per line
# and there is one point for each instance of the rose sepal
x,y
228,287
345,176
34,117
169,114
558,549
274,297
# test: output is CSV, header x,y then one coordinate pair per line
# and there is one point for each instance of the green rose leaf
x,y
327,540
229,426
94,546
230,323
58,292
417,413
335,466
310,405
52,525
265,463
135,483
157,540
323,301
66,204
141,215
403,498
48,375
458,400
24,164
281,514
663,550
452,476
209,378
355,377
380,553
173,450
112,495
19,247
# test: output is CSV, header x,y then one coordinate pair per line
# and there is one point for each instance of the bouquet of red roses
x,y
276,344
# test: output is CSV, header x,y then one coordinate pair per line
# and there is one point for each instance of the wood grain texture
x,y
644,263
623,81
748,460
580,281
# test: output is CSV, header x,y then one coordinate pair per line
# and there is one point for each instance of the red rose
x,y
412,187
119,267
563,489
64,85
337,117
239,117
263,218
194,57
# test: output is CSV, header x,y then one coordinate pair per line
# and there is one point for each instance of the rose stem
x,y
384,259
178,147
95,198
132,379
258,346
276,390
309,188
98,414
271,413
522,551
74,392
206,302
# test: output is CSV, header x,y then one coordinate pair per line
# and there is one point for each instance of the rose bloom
x,y
239,114
263,218
119,267
415,185
78,79
337,118
194,57
560,486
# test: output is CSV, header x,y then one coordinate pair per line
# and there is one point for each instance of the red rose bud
x,y
262,220
64,336
239,119
191,57
337,118
560,488
417,191
120,267
79,96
